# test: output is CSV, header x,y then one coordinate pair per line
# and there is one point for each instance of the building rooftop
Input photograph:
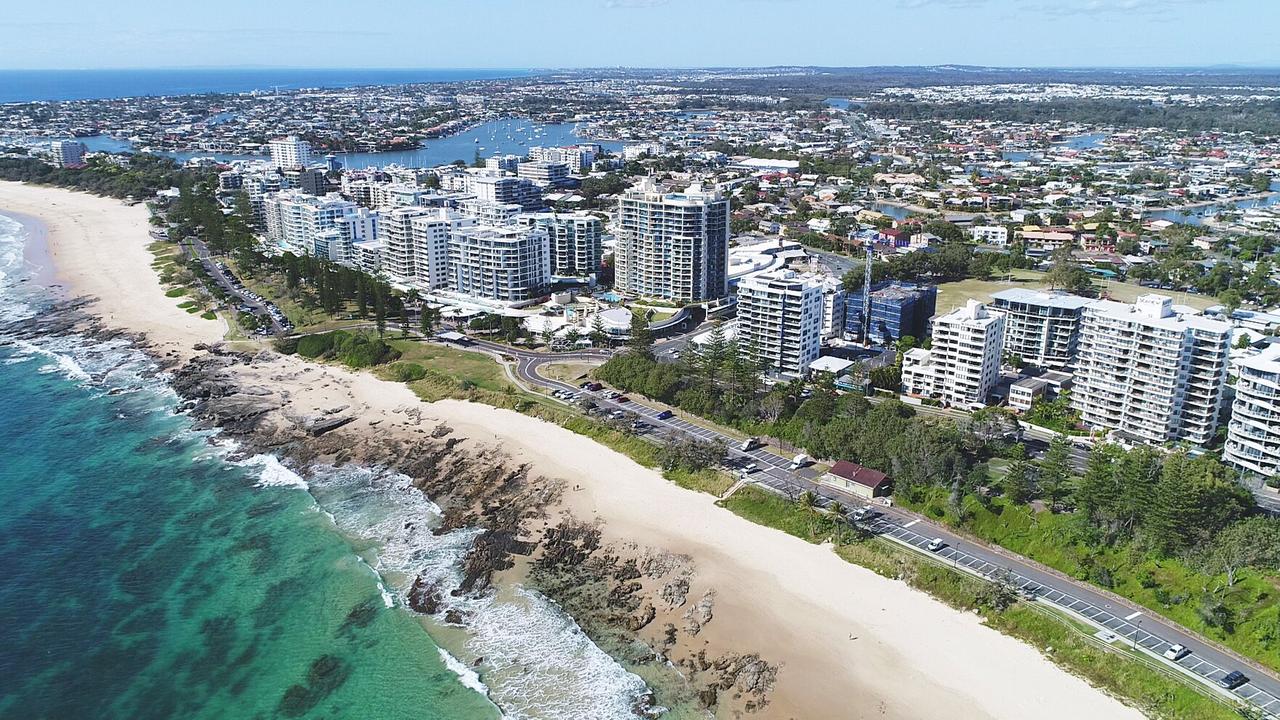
x,y
1040,297
853,472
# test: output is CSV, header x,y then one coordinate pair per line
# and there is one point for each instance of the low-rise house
x,y
861,481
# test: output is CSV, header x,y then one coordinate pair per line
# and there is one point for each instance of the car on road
x,y
1177,652
1233,680
866,512
665,415
750,468
936,544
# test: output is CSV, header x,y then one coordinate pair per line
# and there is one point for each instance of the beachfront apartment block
x,y
338,244
672,245
1253,433
1042,328
963,364
1150,371
508,264
67,153
290,152
501,189
490,213
416,242
575,241
780,321
295,221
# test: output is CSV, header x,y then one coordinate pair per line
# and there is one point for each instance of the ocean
x,y
29,85
151,573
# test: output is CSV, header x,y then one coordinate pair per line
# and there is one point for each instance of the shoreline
x,y
840,637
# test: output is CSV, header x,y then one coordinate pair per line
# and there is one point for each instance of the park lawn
x,y
952,295
569,372
461,365
1170,587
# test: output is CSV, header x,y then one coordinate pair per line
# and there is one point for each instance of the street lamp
x,y
1137,626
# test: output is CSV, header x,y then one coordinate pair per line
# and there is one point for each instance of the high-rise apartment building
x,y
1043,328
962,366
290,152
68,153
1253,433
295,220
672,246
575,241
780,320
416,245
508,264
1152,372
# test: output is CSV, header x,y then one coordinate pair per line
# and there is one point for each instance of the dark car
x,y
1233,680
622,399
595,387
665,414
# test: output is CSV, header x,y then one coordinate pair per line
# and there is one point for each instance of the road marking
x,y
913,522
1130,617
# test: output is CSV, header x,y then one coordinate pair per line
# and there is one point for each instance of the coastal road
x,y
1130,623
223,278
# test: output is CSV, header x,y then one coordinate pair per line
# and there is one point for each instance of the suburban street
x,y
1130,623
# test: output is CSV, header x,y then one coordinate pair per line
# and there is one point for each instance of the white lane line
x,y
913,522
1130,617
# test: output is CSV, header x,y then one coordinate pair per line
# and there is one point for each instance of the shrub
x,y
408,372
313,346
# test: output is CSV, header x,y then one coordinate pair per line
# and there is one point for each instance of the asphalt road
x,y
222,278
1129,622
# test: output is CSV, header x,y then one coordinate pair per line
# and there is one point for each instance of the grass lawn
x,y
954,294
272,287
569,372
461,365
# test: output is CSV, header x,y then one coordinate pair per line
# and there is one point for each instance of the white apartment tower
x,y
1042,328
672,246
1151,371
290,152
416,245
296,221
508,264
963,364
575,241
780,321
68,153
1253,434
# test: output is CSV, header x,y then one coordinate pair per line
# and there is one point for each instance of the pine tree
x,y
598,336
1055,471
1016,483
1096,493
641,341
1136,474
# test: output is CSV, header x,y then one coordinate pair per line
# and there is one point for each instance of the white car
x,y
750,468
936,544
1177,652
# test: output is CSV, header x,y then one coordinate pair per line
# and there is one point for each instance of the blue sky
x,y
649,33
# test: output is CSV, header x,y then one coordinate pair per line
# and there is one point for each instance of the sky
x,y
67,34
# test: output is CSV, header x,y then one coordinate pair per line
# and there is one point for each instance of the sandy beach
x,y
848,643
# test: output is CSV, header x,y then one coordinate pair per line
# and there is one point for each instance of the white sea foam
x,y
538,662
469,677
274,473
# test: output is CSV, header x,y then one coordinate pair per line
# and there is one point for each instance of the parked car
x,y
665,415
866,512
748,444
1177,652
1233,680
799,461
750,468
936,544
622,399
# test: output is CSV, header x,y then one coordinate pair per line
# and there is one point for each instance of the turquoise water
x,y
150,573
147,577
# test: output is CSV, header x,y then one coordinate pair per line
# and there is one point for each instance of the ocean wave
x,y
538,661
274,473
469,677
